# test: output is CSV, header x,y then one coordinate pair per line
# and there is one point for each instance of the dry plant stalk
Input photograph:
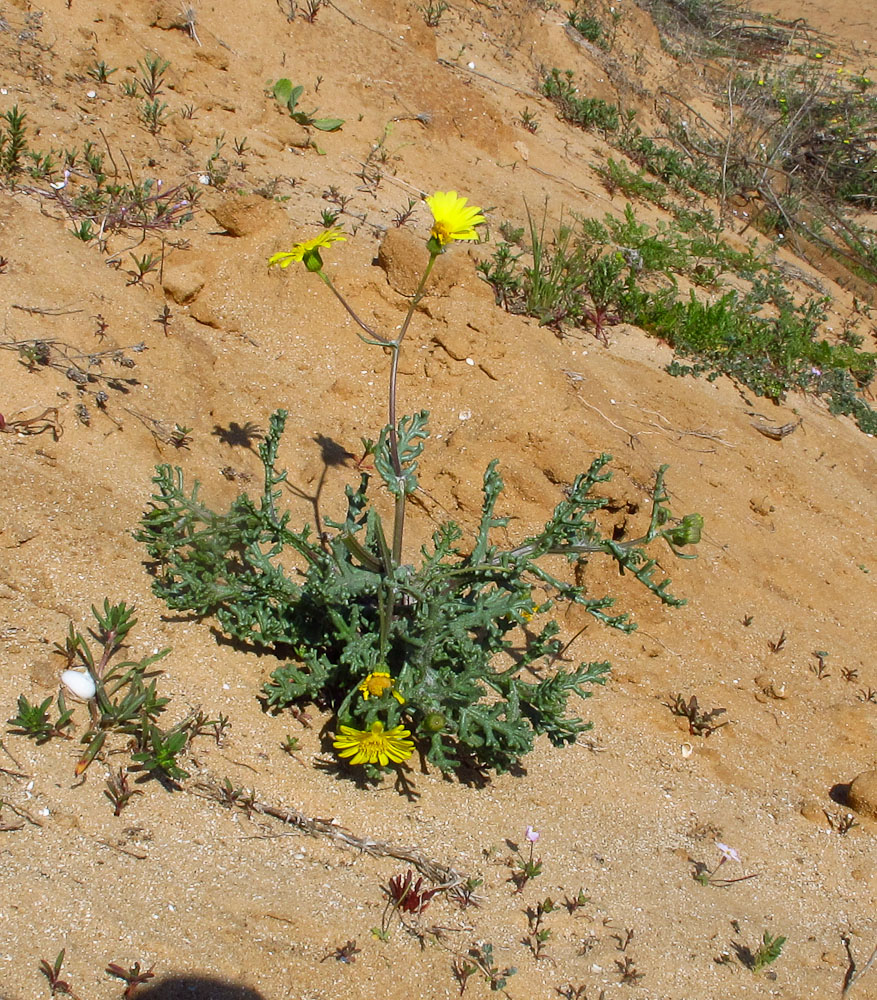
x,y
447,877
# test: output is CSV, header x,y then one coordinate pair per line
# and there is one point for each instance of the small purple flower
x,y
728,853
531,834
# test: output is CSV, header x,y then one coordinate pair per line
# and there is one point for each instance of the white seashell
x,y
686,749
78,683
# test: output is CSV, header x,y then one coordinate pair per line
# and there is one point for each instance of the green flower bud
x,y
313,261
434,722
686,533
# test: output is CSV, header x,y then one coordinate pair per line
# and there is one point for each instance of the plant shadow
x,y
332,455
239,435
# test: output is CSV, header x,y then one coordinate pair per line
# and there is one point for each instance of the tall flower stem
x,y
369,336
373,337
395,347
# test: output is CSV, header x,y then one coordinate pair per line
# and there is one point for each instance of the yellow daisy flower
x,y
452,218
377,683
374,746
309,251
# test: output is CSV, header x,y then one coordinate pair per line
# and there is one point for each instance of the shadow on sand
x,y
195,987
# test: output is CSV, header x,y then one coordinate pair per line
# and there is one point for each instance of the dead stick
x,y
433,870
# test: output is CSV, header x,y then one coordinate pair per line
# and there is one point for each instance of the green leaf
x,y
283,90
327,124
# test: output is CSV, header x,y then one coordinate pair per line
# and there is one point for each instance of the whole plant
x,y
454,656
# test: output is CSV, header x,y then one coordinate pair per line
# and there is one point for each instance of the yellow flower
x,y
452,218
309,251
377,683
374,746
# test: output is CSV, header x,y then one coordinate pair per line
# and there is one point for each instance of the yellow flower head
x,y
452,219
309,251
377,683
374,746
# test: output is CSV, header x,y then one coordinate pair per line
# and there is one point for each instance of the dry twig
x,y
317,827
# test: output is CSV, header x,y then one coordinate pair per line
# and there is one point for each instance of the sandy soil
x,y
247,907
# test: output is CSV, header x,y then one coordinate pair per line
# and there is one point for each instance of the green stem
x,y
399,513
373,338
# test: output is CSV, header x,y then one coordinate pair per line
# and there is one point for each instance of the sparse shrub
x,y
586,112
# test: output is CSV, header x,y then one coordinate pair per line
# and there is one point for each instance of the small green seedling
x,y
768,952
537,934
52,972
119,790
288,97
13,141
700,721
101,72
34,721
143,265
181,436
628,970
820,668
152,114
160,752
84,231
432,12
479,958
132,977
153,69
574,903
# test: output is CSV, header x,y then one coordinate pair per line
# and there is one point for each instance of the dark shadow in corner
x,y
195,987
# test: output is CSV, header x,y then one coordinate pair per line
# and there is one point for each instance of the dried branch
x,y
437,872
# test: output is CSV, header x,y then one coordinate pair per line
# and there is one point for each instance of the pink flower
x,y
531,834
728,853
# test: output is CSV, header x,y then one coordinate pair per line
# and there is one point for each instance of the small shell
x,y
686,749
78,683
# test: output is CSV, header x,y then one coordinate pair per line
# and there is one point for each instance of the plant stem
x,y
373,337
399,514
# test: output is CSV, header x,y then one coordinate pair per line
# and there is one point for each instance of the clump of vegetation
x,y
594,274
13,143
588,25
445,651
122,699
586,112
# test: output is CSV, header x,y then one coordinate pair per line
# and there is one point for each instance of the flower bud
x,y
686,533
434,722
